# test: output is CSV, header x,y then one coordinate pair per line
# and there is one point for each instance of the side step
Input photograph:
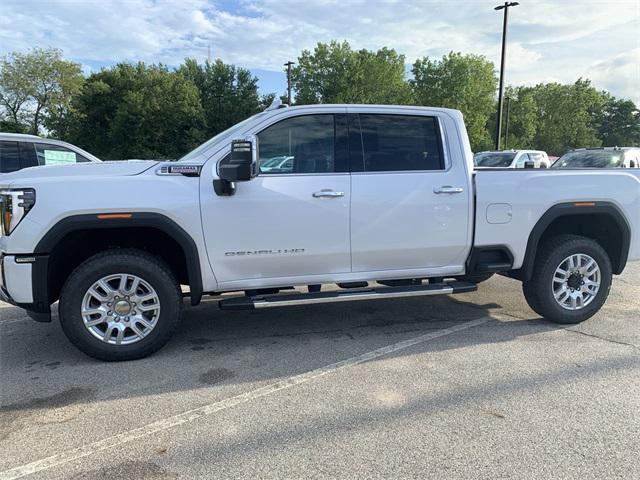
x,y
283,300
494,267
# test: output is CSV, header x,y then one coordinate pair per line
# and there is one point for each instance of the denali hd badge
x,y
286,251
186,170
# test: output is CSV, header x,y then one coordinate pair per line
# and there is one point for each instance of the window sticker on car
x,y
56,157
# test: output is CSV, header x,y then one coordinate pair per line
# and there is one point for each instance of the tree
x,y
522,119
228,94
464,82
9,126
566,116
334,73
138,111
36,88
619,122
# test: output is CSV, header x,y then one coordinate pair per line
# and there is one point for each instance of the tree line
x,y
138,110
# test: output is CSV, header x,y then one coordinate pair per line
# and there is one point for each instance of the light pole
x,y
506,123
288,65
504,7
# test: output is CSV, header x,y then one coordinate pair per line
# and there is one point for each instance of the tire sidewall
x,y
93,270
547,272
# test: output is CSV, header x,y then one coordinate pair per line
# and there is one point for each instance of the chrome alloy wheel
x,y
576,281
120,309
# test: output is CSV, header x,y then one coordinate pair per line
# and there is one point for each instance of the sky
x,y
548,40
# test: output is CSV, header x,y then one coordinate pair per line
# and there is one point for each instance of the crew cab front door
x,y
291,221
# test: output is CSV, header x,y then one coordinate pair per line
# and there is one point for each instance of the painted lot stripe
x,y
15,320
192,415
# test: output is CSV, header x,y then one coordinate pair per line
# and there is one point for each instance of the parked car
x,y
18,151
382,194
511,159
603,157
279,164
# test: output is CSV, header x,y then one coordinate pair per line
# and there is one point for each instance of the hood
x,y
88,169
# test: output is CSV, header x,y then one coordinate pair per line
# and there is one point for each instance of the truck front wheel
x,y
571,279
120,305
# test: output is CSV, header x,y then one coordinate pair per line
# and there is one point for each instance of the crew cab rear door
x,y
411,204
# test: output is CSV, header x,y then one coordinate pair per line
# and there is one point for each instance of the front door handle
x,y
328,194
448,189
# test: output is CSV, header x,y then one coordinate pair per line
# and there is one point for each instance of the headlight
x,y
14,206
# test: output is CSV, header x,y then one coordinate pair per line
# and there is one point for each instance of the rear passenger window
x,y
395,143
56,155
9,157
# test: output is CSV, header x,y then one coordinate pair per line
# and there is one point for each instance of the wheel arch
x,y
592,219
118,225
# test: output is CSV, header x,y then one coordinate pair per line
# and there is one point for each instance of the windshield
x,y
219,138
590,159
494,159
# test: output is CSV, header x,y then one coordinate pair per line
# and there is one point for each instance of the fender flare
x,y
570,209
137,219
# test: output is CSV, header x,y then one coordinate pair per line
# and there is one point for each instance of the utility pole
x,y
506,125
504,7
219,120
288,65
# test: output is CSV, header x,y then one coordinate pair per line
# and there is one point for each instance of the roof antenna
x,y
276,104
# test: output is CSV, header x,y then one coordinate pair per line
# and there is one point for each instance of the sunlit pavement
x,y
471,386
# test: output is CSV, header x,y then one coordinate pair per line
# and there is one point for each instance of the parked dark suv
x,y
603,157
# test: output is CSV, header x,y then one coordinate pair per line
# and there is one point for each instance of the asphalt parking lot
x,y
471,386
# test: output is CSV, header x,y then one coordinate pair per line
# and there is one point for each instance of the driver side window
x,y
304,144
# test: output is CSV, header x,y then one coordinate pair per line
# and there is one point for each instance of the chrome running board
x,y
375,293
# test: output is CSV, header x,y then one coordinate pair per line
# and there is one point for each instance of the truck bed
x,y
509,202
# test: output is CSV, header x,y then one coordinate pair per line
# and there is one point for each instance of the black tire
x,y
539,292
135,262
476,278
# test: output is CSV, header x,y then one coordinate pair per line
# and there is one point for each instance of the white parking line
x,y
200,412
15,320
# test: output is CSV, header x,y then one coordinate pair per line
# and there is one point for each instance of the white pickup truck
x,y
381,201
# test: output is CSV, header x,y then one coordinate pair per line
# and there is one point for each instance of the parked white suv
x,y
511,159
18,151
381,200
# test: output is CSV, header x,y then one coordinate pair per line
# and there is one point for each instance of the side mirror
x,y
242,166
529,164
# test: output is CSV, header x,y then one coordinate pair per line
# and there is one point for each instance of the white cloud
x,y
547,39
620,74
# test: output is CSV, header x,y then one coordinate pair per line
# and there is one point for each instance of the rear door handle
x,y
448,189
328,194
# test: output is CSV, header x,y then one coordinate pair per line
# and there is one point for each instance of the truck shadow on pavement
x,y
218,354
41,369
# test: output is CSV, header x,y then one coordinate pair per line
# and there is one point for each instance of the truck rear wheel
x,y
120,305
571,279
